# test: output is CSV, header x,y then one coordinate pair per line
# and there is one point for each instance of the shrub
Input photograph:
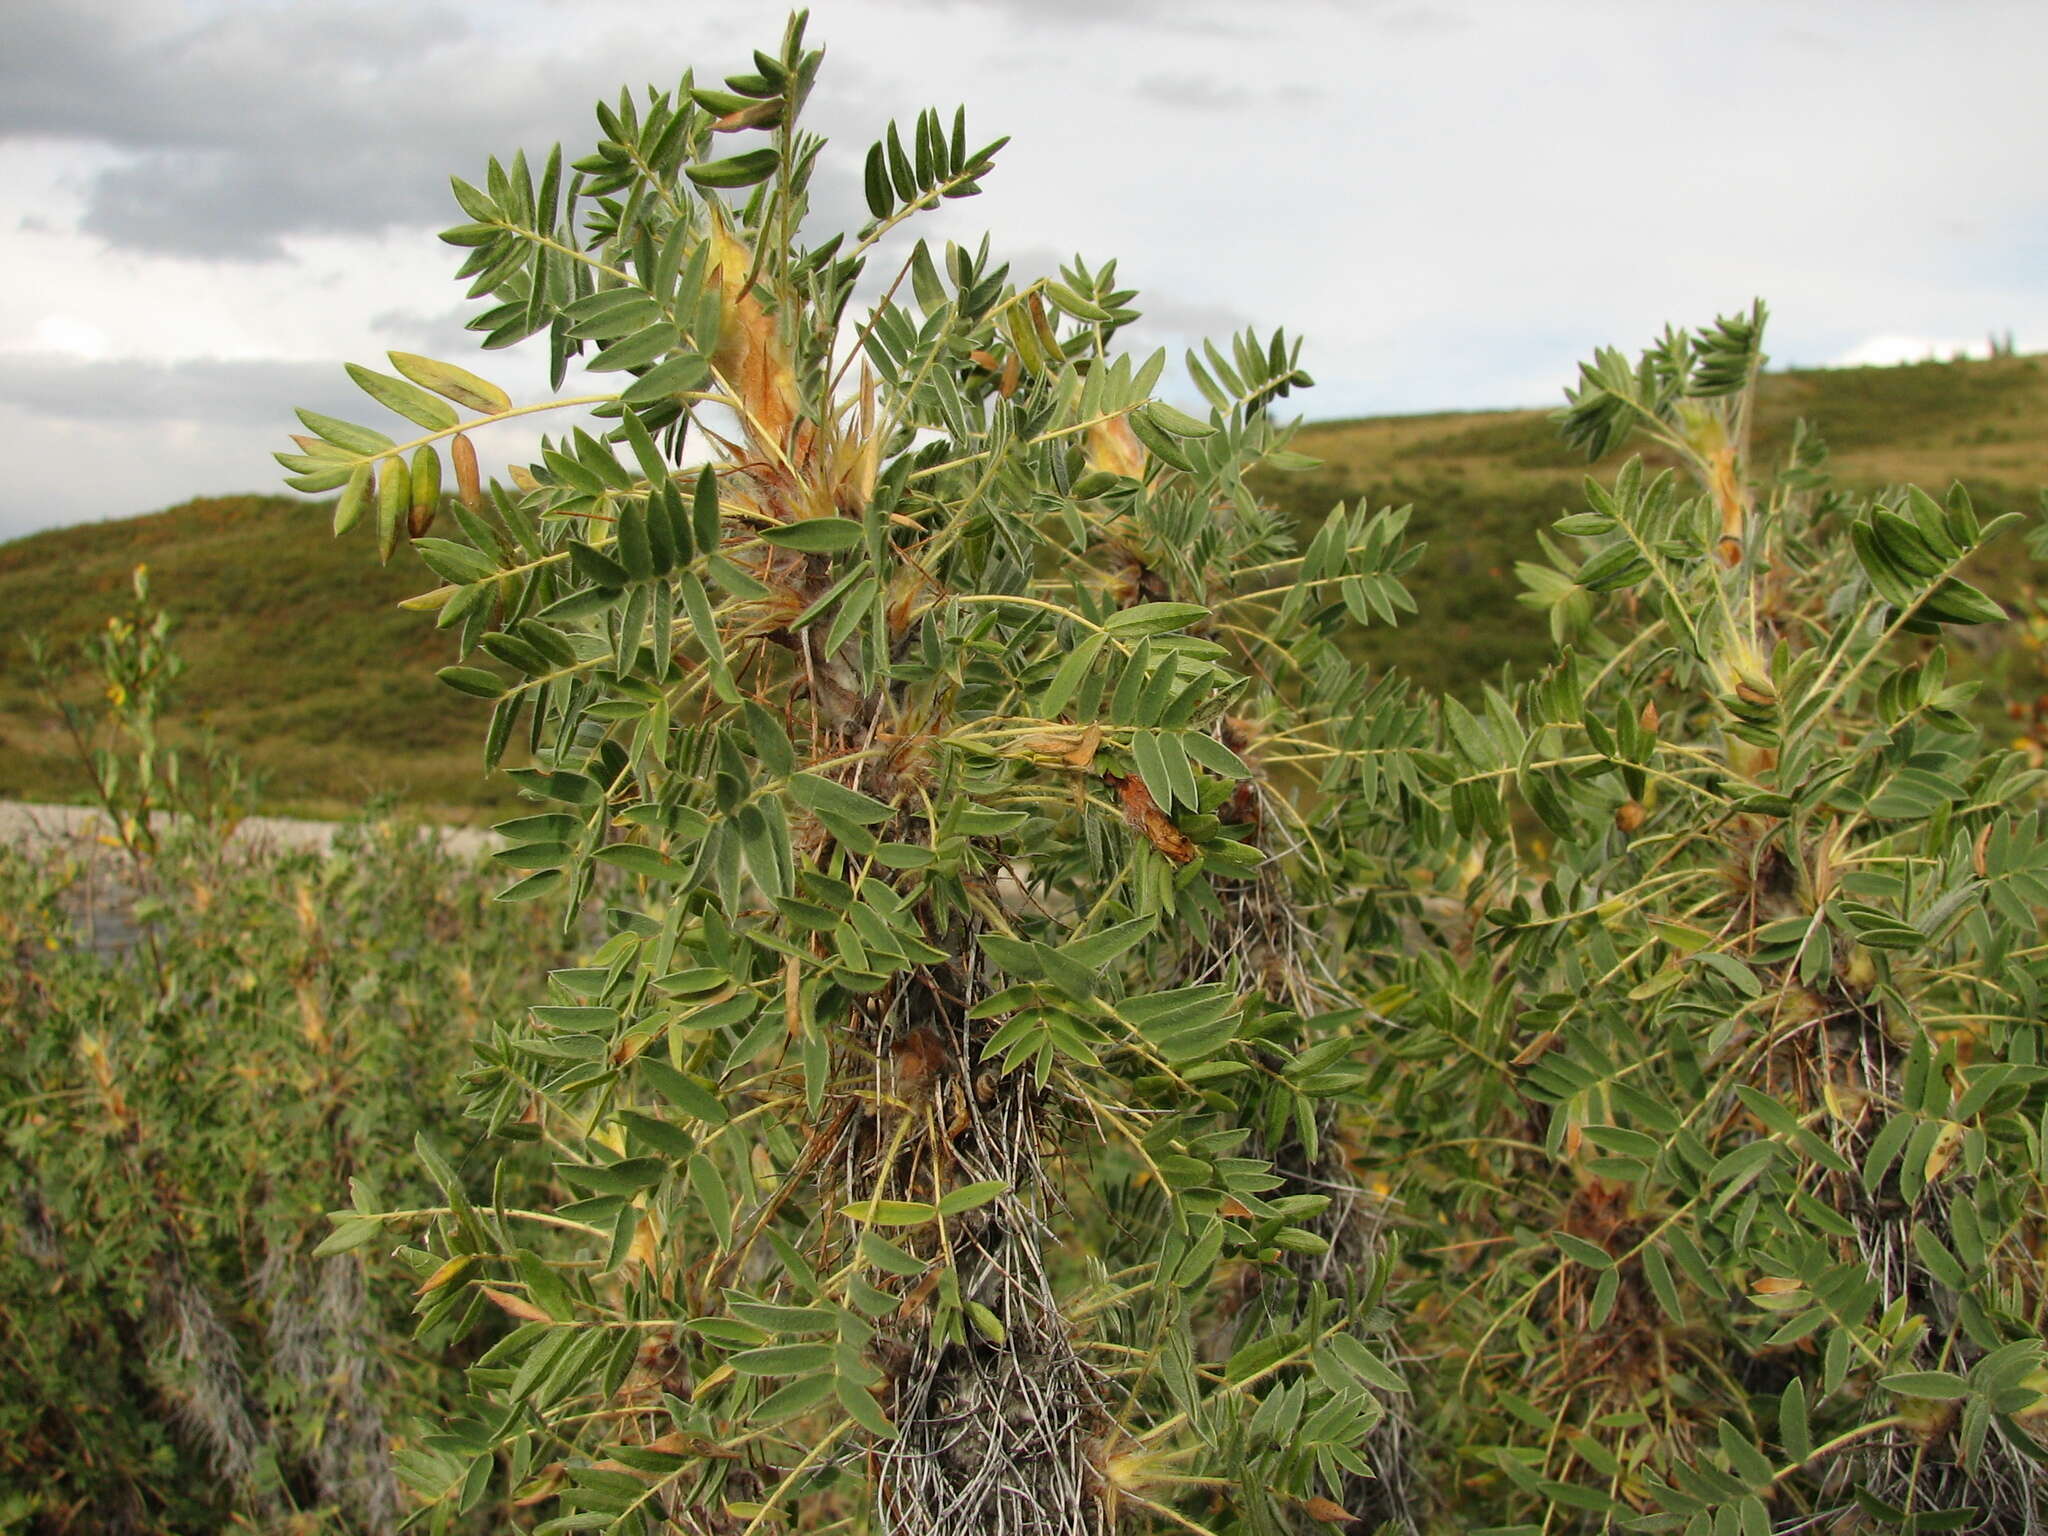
x,y
200,1045
1720,1106
1038,966
958,1037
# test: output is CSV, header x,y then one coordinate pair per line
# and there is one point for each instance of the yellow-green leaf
x,y
409,401
451,382
892,1213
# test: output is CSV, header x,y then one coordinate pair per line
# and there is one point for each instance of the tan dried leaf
x,y
1143,815
1114,448
1083,752
1944,1150
515,1306
1072,745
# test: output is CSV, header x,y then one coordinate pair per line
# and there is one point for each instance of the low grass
x,y
300,660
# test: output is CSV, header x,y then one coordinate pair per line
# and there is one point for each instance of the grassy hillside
x,y
297,657
1482,482
301,662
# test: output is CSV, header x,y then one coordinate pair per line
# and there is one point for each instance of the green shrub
x,y
1038,967
943,1115
1720,1103
202,1047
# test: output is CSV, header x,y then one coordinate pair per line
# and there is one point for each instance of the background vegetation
x,y
297,659
339,704
1044,1043
1484,483
203,1046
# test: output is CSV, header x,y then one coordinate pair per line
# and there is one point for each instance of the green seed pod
x,y
426,490
394,494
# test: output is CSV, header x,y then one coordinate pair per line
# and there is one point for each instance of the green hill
x,y
297,655
1482,482
300,660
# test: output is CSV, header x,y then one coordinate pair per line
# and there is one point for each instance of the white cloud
x,y
68,336
1886,350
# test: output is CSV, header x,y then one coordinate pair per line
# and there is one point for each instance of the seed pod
x,y
468,484
1023,340
394,494
426,490
1048,339
1629,815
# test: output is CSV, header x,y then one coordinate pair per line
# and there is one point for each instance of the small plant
x,y
141,782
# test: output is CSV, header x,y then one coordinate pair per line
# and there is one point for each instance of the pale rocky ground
x,y
46,825
100,904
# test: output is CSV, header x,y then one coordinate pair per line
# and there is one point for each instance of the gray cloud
x,y
230,392
1209,18
243,129
1197,93
1184,16
437,333
141,76
117,437
1425,21
259,124
1188,319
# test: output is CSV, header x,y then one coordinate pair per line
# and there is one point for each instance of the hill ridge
x,y
302,663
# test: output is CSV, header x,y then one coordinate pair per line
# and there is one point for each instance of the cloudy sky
x,y
210,203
